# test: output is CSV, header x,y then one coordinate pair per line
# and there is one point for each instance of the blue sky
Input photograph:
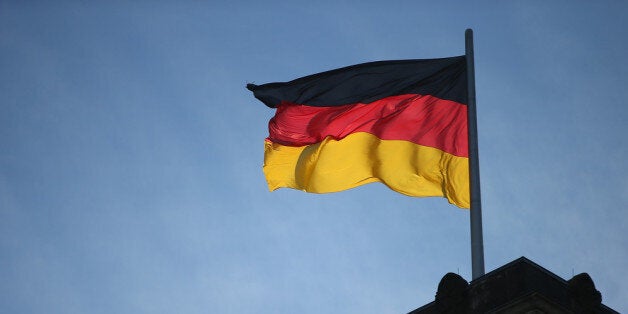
x,y
131,153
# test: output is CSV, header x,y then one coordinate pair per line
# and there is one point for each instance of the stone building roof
x,y
520,286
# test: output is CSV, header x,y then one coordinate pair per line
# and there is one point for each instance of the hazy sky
x,y
131,154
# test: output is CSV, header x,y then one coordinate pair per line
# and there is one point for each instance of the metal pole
x,y
477,243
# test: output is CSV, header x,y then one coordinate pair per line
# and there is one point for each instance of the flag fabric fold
x,y
402,123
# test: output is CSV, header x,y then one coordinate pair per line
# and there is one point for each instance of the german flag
x,y
402,123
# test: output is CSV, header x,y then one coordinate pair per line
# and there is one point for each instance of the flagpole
x,y
477,243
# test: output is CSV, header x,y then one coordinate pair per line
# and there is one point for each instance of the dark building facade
x,y
520,286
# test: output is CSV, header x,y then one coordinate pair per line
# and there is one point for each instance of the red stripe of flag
x,y
423,120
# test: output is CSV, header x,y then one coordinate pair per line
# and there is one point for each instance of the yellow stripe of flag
x,y
361,158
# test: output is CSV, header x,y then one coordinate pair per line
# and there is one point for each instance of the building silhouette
x,y
520,286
